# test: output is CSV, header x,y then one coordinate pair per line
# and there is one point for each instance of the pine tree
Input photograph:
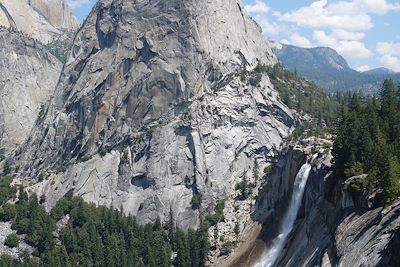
x,y
368,129
390,181
111,253
183,257
389,108
171,229
194,248
46,241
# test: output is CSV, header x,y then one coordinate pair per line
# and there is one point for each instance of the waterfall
x,y
270,256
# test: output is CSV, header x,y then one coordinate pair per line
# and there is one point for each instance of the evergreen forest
x,y
368,142
96,236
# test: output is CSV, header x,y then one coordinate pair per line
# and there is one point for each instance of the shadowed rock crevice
x,y
141,180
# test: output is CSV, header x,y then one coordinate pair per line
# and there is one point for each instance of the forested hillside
x,y
368,141
96,236
302,95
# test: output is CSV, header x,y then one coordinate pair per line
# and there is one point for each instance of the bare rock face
x,y
43,20
276,193
364,239
333,227
28,72
153,107
56,12
28,76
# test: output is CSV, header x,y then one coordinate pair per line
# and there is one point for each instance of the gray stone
x,y
151,109
28,76
5,230
334,227
42,20
275,194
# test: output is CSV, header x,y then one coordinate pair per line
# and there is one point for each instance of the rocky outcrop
x,y
7,19
336,226
56,12
28,76
5,250
274,196
42,20
364,239
154,107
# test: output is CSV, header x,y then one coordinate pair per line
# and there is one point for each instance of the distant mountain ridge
x,y
324,57
380,71
330,70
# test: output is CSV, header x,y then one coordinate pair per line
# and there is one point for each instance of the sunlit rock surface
x,y
153,107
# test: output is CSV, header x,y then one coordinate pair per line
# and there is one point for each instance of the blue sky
x,y
365,32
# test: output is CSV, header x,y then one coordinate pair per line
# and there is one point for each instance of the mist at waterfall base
x,y
270,256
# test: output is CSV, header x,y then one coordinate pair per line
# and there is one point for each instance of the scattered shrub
x,y
8,212
242,187
196,201
227,248
12,241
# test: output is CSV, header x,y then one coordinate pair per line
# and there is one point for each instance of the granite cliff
x,y
42,20
160,108
153,109
28,76
335,226
28,70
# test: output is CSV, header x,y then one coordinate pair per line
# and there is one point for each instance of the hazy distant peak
x,y
318,57
330,70
380,71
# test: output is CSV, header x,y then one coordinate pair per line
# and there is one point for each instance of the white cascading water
x,y
269,258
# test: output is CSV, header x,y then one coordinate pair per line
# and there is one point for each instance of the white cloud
x,y
380,7
347,15
77,3
390,53
320,15
391,62
276,13
347,35
323,39
385,48
353,49
347,48
257,8
299,40
363,68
